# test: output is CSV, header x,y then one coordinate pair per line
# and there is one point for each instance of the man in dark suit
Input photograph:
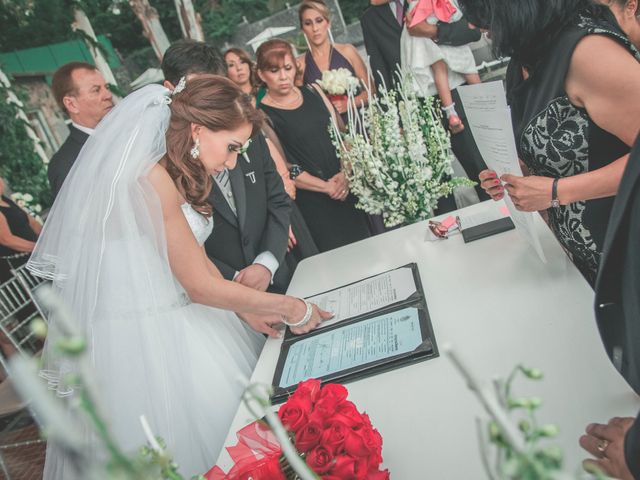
x,y
251,209
617,303
381,28
81,91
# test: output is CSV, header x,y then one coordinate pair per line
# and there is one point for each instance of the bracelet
x,y
555,202
305,319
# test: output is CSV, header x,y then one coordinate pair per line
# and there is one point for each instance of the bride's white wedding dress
x,y
153,351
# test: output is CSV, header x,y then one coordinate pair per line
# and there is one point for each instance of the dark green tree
x,y
352,10
19,163
220,19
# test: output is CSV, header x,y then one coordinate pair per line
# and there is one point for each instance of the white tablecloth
x,y
497,304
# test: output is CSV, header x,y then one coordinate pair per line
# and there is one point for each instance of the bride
x,y
123,247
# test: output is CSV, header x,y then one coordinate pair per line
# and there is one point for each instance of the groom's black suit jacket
x,y
63,159
617,301
263,219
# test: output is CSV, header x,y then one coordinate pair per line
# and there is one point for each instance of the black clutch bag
x,y
487,229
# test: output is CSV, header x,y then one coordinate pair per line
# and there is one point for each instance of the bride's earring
x,y
195,150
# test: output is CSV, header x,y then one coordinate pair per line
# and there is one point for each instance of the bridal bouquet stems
x,y
397,155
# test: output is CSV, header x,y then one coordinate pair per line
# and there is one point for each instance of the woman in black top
x,y
18,230
18,234
572,85
301,119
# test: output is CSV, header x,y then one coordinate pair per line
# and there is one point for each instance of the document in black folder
x,y
381,323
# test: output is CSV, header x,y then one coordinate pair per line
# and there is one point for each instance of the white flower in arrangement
x,y
397,154
338,82
26,201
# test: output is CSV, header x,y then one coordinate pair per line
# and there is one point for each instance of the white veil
x,y
103,244
153,352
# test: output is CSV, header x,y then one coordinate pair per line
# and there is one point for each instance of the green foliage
x,y
220,21
536,462
352,10
19,163
34,23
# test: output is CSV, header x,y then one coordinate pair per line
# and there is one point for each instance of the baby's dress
x,y
419,53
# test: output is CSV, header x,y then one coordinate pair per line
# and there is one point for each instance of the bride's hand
x,y
263,323
317,317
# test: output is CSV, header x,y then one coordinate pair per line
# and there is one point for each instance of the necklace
x,y
316,61
285,105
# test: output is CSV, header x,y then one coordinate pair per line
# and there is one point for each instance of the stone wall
x,y
289,18
41,105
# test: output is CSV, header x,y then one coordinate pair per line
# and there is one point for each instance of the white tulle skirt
x,y
419,53
181,369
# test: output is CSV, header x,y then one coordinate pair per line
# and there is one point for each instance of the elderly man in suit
x,y
251,209
616,445
81,91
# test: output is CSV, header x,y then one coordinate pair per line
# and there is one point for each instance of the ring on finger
x,y
602,445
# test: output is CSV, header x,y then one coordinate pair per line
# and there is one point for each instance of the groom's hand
x,y
255,276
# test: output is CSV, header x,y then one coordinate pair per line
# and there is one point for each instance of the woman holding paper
x,y
574,118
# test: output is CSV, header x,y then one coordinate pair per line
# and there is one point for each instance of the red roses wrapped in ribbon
x,y
336,441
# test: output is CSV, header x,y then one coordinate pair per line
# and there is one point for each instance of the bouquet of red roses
x,y
336,441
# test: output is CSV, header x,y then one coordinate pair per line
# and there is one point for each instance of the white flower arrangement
x,y
397,155
26,201
338,82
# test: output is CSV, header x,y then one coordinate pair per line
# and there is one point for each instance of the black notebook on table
x,y
382,323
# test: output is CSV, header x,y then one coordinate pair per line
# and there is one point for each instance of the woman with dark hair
x,y
572,85
301,119
241,71
18,233
125,255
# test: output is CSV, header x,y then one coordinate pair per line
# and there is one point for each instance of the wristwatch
x,y
555,203
294,171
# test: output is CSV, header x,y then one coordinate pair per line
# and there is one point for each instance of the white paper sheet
x,y
490,121
367,295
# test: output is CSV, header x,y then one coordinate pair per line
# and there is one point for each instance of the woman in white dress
x,y
433,64
123,247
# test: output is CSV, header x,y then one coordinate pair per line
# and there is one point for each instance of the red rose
x,y
309,435
308,390
375,474
334,390
366,420
320,460
293,413
330,397
333,437
349,414
355,445
349,468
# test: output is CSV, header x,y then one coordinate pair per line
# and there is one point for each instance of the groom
x,y
251,209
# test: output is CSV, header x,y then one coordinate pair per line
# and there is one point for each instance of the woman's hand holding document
x,y
490,120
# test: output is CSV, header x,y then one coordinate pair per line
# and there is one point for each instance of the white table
x,y
497,304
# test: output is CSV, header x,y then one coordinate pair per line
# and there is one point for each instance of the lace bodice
x,y
200,226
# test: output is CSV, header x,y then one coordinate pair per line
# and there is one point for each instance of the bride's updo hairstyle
x,y
214,102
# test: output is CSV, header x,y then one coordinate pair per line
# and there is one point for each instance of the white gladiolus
x,y
397,155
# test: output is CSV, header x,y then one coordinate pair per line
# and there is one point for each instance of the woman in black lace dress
x,y
572,85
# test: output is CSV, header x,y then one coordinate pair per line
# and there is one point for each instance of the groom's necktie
x,y
399,11
223,181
